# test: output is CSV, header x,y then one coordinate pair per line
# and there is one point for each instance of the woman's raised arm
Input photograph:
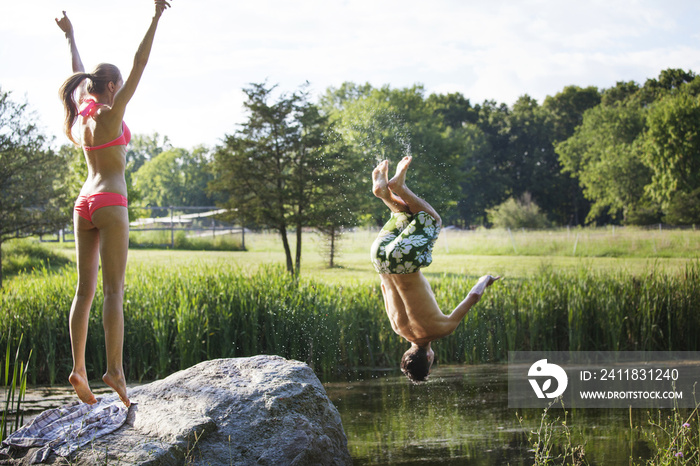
x,y
127,91
67,28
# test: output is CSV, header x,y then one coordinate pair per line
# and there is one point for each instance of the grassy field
x,y
514,254
182,307
472,253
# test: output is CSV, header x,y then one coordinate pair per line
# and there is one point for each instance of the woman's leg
x,y
415,204
87,258
380,188
113,224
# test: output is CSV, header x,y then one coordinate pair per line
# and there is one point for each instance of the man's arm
x,y
473,297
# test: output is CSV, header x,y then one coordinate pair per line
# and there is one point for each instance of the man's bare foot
x,y
398,182
380,178
81,386
118,384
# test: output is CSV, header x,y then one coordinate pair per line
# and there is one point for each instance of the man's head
x,y
416,362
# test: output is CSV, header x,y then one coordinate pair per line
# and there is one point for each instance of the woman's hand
x,y
161,6
65,25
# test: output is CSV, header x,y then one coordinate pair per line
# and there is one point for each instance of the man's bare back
x,y
413,311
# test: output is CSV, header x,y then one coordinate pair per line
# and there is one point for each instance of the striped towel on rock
x,y
63,430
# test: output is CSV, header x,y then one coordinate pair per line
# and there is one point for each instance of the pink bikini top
x,y
122,140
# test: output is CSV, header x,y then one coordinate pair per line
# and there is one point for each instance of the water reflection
x,y
458,416
461,416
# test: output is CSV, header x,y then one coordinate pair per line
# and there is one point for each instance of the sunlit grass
x,y
514,254
576,242
24,255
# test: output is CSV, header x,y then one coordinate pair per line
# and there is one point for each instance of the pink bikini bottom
x,y
86,206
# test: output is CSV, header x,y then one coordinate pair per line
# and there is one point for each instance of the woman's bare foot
x,y
380,177
398,182
81,386
118,384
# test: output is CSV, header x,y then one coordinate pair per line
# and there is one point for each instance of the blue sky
x,y
206,51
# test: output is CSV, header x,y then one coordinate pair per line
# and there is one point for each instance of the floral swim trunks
x,y
405,243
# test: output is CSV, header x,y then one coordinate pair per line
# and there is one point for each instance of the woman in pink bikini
x,y
97,102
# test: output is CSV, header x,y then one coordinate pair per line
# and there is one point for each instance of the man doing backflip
x,y
403,246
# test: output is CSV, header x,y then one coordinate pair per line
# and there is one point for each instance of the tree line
x,y
629,154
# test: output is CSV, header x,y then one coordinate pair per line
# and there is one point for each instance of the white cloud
x,y
206,51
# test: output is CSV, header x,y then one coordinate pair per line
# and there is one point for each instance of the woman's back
x,y
105,152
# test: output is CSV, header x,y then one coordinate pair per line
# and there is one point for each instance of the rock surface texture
x,y
263,410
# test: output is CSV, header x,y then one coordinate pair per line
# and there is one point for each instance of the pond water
x,y
460,416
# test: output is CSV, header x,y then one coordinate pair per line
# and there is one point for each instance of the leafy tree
x,y
535,167
454,109
335,99
464,137
673,146
620,154
604,154
33,194
142,149
283,169
564,112
323,181
494,168
638,148
644,212
669,80
566,108
622,92
519,155
175,177
77,171
254,165
342,178
389,124
477,176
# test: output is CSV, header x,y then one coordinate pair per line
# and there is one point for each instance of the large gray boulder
x,y
263,410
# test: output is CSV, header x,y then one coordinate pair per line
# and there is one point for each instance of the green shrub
x,y
684,209
644,213
522,213
164,240
25,255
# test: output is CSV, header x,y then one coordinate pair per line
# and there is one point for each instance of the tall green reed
x,y
176,317
15,390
